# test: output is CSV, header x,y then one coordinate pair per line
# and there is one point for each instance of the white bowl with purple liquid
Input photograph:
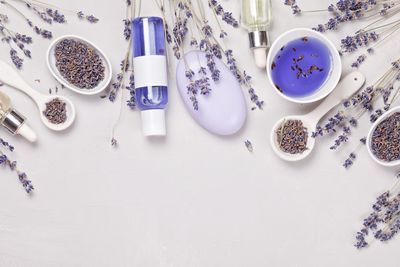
x,y
303,66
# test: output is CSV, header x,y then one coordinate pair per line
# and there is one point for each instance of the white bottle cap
x,y
153,122
27,132
260,56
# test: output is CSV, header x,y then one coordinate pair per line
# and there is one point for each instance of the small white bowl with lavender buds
x,y
383,140
79,65
291,137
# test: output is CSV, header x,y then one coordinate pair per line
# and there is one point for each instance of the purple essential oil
x,y
301,67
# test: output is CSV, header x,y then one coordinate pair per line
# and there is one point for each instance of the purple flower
x,y
127,29
26,183
350,160
7,145
18,62
131,103
3,159
89,18
227,17
383,223
114,142
249,146
293,5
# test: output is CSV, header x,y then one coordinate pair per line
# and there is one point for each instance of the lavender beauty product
x,y
151,79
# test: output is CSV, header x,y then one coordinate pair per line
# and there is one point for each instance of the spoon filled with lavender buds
x,y
57,112
291,136
383,140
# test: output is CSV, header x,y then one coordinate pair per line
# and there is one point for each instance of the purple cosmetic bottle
x,y
151,79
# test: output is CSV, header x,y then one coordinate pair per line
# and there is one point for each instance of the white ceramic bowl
x,y
51,64
333,78
369,139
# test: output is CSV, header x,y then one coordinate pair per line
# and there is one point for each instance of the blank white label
x,y
150,71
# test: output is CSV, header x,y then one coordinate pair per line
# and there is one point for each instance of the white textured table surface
x,y
193,199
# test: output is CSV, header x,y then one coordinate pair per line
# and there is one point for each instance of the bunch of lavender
x,y
6,161
368,38
48,13
191,30
386,88
125,79
350,10
384,221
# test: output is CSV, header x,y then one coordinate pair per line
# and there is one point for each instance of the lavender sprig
x,y
48,13
89,18
383,223
293,5
126,70
225,16
6,161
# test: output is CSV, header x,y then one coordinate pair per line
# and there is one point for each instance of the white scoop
x,y
12,78
345,89
369,139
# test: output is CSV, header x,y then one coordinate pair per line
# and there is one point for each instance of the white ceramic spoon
x,y
369,139
345,89
10,77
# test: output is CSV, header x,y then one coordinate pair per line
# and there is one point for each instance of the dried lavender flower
x,y
56,111
47,13
383,223
385,141
249,146
79,63
292,137
4,160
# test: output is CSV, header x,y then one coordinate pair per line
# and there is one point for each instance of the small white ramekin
x,y
333,78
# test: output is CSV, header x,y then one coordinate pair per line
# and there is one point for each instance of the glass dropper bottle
x,y
256,18
13,121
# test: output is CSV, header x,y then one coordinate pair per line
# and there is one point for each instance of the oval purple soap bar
x,y
222,111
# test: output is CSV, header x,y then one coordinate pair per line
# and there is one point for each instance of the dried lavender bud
x,y
79,64
292,137
56,111
89,18
293,5
16,59
249,146
26,183
114,142
7,145
385,142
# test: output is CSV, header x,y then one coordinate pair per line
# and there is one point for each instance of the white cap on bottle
x,y
153,122
27,132
260,57
259,43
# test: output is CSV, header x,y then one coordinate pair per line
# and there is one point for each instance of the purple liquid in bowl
x,y
301,67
